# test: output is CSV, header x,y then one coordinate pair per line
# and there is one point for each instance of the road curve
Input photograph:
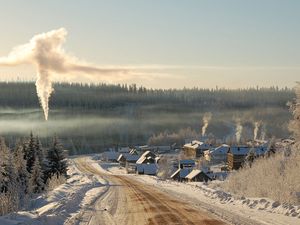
x,y
127,201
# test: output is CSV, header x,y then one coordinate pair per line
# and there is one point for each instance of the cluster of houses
x,y
233,156
144,159
134,160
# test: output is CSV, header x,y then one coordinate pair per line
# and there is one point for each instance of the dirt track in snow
x,y
127,201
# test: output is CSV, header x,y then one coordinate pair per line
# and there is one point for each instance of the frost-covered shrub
x,y
54,182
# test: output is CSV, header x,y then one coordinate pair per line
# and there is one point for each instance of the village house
x,y
236,156
217,155
198,176
184,168
147,163
128,158
195,149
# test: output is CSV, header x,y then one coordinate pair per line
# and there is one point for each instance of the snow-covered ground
x,y
263,211
68,202
64,204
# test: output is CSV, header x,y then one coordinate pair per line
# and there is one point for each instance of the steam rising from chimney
x,y
206,119
256,129
45,51
263,132
239,130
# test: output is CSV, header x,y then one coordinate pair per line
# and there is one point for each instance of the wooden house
x,y
198,176
147,163
217,155
195,149
236,156
180,174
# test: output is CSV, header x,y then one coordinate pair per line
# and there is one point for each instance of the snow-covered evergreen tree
x,y
21,170
29,152
4,158
56,160
36,182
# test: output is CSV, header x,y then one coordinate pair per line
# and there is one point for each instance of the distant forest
x,y
104,96
91,118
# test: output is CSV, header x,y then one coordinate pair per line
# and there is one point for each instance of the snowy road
x,y
128,201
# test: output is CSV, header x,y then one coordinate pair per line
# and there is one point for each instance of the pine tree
x,y
56,160
29,152
36,182
21,170
4,160
40,153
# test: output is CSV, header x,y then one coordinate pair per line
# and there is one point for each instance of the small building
x,y
236,156
195,149
127,158
180,174
217,155
147,163
198,176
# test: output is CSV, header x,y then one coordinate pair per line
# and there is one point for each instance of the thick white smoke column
x,y
239,130
206,119
45,51
256,129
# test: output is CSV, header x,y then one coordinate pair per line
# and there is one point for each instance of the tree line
x,y
28,169
106,96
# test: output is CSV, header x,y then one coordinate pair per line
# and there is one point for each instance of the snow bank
x,y
62,205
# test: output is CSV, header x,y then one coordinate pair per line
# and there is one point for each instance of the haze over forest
x,y
93,117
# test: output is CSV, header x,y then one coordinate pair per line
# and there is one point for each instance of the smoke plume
x,y
256,129
46,53
206,119
238,131
263,132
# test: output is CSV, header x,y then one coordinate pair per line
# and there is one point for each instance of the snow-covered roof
x,y
239,150
193,174
129,157
175,173
144,156
223,149
197,145
182,172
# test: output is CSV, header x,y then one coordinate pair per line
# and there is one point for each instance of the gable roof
x,y
144,156
197,145
223,149
193,174
182,172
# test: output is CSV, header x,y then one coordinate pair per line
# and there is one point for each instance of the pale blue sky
x,y
228,43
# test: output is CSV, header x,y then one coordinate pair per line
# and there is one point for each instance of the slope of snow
x,y
61,205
